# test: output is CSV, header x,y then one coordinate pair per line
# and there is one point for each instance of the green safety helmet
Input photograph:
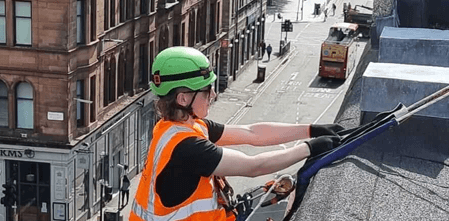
x,y
180,67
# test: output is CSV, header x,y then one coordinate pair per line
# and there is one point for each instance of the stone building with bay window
x,y
75,105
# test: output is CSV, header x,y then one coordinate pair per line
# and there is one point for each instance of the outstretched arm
x,y
263,134
236,163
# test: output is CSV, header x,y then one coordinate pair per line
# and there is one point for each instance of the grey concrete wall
x,y
414,46
386,85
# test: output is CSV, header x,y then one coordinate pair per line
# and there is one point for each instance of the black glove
x,y
317,130
322,144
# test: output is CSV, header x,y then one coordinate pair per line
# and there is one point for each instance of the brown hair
x,y
168,109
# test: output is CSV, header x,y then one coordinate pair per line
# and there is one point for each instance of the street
x,y
293,93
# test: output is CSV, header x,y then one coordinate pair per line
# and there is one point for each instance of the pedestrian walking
x,y
269,49
334,7
262,48
325,14
125,188
189,153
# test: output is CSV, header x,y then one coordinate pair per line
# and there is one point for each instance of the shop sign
x,y
224,43
59,183
11,153
82,160
58,116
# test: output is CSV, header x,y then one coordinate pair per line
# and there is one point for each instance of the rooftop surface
x,y
414,33
402,174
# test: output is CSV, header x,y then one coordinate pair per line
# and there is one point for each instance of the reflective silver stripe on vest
x,y
205,131
165,138
184,212
201,205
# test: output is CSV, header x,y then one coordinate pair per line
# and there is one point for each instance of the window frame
x,y
80,105
143,65
93,96
80,22
122,12
112,14
17,105
144,7
93,20
15,24
3,16
5,98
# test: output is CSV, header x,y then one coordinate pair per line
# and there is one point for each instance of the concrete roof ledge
x,y
384,85
401,174
414,46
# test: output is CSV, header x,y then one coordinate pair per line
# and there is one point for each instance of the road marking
x,y
328,106
310,82
260,90
298,107
294,74
297,36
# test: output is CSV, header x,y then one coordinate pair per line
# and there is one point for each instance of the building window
x,y
151,5
112,76
80,22
93,84
150,62
24,106
80,105
23,23
213,22
176,35
183,32
93,20
3,105
191,29
143,64
121,74
122,11
143,7
112,21
128,9
106,84
2,23
218,18
106,15
198,25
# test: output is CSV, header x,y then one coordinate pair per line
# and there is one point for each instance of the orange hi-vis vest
x,y
147,205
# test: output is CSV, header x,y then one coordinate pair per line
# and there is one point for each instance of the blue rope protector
x,y
351,139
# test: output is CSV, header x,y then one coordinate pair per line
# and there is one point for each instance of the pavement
x,y
226,108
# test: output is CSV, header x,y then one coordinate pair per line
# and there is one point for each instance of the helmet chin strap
x,y
189,108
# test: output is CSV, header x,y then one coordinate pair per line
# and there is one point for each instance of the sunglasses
x,y
208,89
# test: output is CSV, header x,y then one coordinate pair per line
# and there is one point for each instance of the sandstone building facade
x,y
75,105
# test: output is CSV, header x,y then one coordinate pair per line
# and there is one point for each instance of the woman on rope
x,y
188,151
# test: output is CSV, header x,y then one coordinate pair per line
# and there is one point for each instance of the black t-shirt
x,y
191,159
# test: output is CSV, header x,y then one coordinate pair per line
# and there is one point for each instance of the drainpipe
x,y
132,48
236,37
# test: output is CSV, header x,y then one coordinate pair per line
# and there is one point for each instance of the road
x,y
294,93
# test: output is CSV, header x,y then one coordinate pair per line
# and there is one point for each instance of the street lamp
x,y
297,11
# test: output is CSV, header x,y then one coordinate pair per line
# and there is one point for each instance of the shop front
x,y
46,184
